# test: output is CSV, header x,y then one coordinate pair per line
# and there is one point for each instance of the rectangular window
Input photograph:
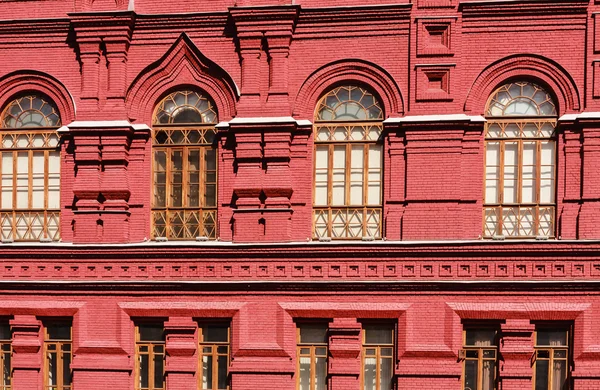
x,y
5,356
150,356
348,175
520,170
312,356
29,185
479,356
378,356
551,359
58,355
184,203
214,356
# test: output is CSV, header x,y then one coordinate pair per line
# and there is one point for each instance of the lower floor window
x,y
214,356
551,359
150,357
58,356
377,356
312,356
479,354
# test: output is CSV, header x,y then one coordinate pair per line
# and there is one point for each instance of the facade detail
x,y
299,195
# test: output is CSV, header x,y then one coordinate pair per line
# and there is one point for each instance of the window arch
x,y
348,164
184,202
520,162
30,169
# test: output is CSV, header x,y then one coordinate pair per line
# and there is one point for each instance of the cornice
x,y
353,21
33,32
147,26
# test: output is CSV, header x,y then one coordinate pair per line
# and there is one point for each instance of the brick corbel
x,y
27,355
516,348
114,31
255,26
344,347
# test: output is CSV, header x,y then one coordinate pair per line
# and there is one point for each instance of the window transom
x,y
30,111
185,107
348,103
521,99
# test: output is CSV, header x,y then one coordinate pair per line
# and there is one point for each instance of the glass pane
x,y
541,375
207,372
374,193
378,334
492,162
6,369
551,337
321,374
53,180
159,362
66,369
511,161
58,332
5,331
339,176
480,337
386,374
151,332
37,180
470,375
7,180
488,375
52,368
321,174
144,371
215,333
193,178
559,375
22,180
176,178
210,161
547,172
528,168
369,374
356,174
304,367
313,333
222,362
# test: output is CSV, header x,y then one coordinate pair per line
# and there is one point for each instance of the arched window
x,y
184,202
30,169
520,162
348,160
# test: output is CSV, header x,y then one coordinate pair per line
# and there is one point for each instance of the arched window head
x,y
348,103
521,98
185,107
30,111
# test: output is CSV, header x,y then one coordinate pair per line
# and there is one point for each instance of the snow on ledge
x,y
265,120
102,125
436,118
582,115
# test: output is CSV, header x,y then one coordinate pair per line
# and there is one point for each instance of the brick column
x,y
182,355
394,168
344,350
27,353
250,53
590,207
571,188
516,349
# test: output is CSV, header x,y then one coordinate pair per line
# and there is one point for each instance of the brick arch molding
x,y
524,67
19,82
182,66
348,71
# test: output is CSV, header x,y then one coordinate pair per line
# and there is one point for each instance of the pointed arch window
x,y
348,164
184,201
30,170
520,162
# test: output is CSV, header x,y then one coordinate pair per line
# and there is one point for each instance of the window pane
x,y
528,194
58,332
480,337
54,180
210,191
52,368
158,371
151,332
193,173
144,371
378,334
386,374
370,375
7,180
207,372
176,178
313,333
356,174
6,369
215,333
321,173
559,375
511,161
488,375
374,193
551,337
66,369
470,375
304,373
547,172
541,375
339,176
492,161
222,361
321,374
22,180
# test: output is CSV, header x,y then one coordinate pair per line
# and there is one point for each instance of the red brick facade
x,y
432,64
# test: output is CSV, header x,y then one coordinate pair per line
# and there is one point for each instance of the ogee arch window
x,y
520,162
348,164
184,201
30,170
